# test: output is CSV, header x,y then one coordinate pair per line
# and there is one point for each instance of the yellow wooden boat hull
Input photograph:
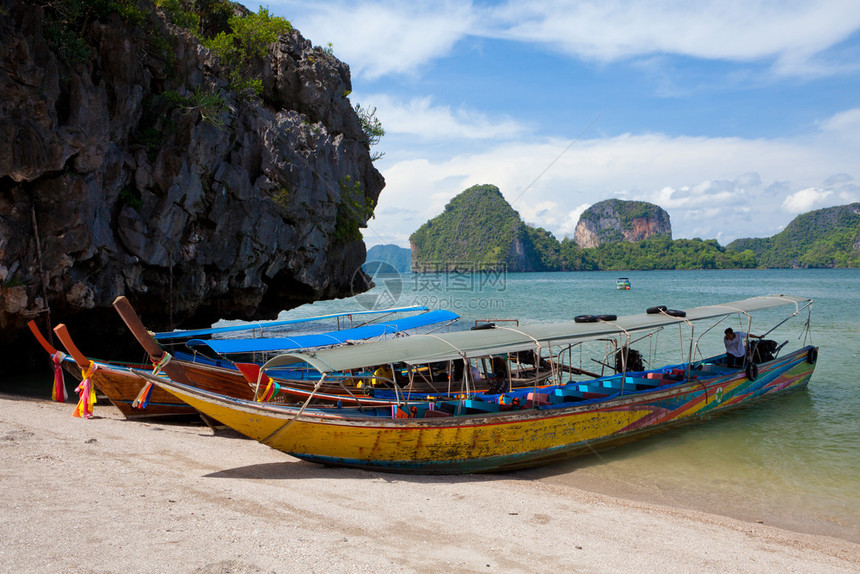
x,y
493,441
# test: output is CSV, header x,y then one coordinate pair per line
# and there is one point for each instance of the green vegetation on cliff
x,y
478,227
665,253
244,45
66,20
823,238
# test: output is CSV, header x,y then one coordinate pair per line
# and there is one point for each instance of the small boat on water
x,y
523,427
623,283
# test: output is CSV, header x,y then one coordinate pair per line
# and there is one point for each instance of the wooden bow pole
x,y
41,338
148,342
66,339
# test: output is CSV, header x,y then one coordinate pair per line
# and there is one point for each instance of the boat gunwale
x,y
530,459
313,414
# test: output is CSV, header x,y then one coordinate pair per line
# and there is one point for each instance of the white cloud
x,y
805,200
791,32
845,124
725,187
420,118
568,227
722,188
379,37
542,213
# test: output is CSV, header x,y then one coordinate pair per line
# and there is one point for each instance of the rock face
x,y
616,220
119,177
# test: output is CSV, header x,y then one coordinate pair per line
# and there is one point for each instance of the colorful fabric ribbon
x,y
142,400
272,389
87,393
157,366
59,391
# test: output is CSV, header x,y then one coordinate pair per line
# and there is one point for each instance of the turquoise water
x,y
793,461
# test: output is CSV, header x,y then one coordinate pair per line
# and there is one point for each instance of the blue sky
x,y
734,116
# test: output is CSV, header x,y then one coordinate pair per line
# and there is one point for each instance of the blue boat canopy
x,y
269,324
301,342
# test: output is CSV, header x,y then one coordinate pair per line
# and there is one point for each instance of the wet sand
x,y
111,495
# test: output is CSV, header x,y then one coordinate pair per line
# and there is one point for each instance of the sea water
x,y
793,461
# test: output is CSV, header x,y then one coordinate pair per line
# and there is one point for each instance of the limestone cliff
x,y
129,165
617,220
478,230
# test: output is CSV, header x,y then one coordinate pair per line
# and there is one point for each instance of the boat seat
x,y
474,407
537,399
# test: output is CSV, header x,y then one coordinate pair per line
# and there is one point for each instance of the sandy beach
x,y
111,495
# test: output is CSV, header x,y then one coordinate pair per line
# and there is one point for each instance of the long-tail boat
x,y
359,387
135,398
123,387
480,433
60,363
113,381
225,378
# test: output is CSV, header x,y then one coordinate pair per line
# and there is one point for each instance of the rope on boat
x,y
397,394
298,414
161,363
259,380
537,352
467,372
47,306
807,331
356,399
624,350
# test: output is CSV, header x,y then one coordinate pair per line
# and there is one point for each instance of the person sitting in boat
x,y
500,368
734,341
475,373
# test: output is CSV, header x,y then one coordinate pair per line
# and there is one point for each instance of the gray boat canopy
x,y
423,349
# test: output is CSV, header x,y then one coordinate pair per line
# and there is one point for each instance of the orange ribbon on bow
x,y
87,393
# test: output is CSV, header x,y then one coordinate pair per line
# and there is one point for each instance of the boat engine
x,y
634,360
762,350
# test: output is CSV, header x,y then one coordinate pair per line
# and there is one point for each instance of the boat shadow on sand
x,y
297,469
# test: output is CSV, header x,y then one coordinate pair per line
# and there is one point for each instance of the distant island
x,y
382,258
479,228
